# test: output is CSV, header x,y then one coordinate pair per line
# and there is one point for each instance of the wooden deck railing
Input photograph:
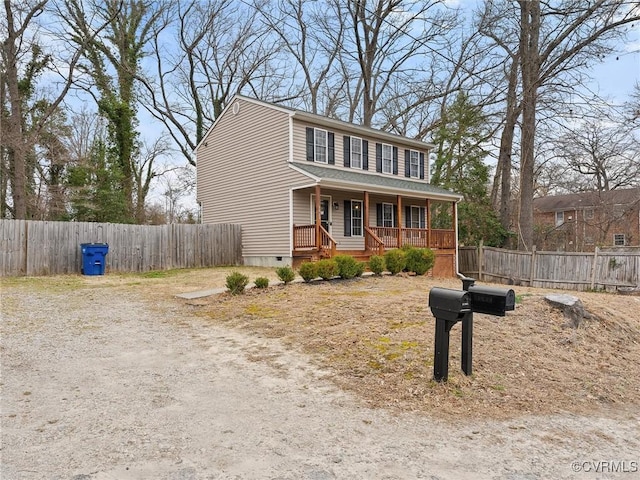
x,y
372,242
304,237
376,239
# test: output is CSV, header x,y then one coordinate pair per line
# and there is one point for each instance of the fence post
x,y
593,267
480,259
533,266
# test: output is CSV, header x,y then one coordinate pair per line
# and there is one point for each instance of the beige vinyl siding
x,y
244,177
300,153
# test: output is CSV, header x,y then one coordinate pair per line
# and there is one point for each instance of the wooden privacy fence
x,y
602,269
47,248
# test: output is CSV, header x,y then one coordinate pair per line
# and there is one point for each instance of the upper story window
x,y
618,239
414,164
387,158
356,152
559,218
588,214
320,146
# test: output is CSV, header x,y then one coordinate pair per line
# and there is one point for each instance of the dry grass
x,y
376,335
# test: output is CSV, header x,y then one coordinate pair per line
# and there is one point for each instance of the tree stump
x,y
572,308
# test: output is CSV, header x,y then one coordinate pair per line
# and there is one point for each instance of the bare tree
x,y
220,51
24,116
383,46
601,157
311,33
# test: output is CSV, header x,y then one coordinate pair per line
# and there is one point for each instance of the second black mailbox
x,y
490,300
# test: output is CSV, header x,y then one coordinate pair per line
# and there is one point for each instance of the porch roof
x,y
373,182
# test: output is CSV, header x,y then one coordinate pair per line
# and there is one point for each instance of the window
x,y
588,214
388,215
387,158
414,167
356,218
356,152
618,239
559,218
320,146
414,219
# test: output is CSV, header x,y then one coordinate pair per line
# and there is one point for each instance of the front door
x,y
325,212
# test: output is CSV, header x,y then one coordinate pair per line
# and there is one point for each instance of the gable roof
x,y
358,181
584,200
323,121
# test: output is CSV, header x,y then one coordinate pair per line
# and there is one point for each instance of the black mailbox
x,y
494,301
448,304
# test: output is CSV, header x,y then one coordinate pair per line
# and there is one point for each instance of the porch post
x,y
318,219
455,224
366,209
428,223
399,216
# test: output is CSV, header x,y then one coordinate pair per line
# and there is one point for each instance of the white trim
x,y
291,221
307,174
361,202
390,172
456,265
411,152
394,220
290,139
351,139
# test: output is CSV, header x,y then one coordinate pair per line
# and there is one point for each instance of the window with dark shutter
x,y
332,149
310,144
365,155
407,163
378,157
395,160
347,150
421,165
378,214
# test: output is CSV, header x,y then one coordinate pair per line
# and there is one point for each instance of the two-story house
x,y
579,222
304,186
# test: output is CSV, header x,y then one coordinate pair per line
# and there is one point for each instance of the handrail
x,y
327,241
374,240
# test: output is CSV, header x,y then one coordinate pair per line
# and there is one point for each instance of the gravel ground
x,y
107,383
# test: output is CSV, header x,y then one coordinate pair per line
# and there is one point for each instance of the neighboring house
x,y
304,187
579,222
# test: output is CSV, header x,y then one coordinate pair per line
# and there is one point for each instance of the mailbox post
x,y
453,306
449,307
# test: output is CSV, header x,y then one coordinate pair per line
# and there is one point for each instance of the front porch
x,y
314,241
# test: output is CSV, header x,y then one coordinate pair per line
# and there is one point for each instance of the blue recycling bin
x,y
93,258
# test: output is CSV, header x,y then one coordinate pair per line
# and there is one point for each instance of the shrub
x,y
308,271
236,282
348,267
261,282
286,274
327,268
395,260
420,260
376,264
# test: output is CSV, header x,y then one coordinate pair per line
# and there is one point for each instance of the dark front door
x,y
324,214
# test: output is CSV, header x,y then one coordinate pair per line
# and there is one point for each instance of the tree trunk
x,y
502,180
530,65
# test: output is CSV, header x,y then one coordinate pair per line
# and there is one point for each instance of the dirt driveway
x,y
113,378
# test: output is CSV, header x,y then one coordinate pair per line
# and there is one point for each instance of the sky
x,y
613,79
